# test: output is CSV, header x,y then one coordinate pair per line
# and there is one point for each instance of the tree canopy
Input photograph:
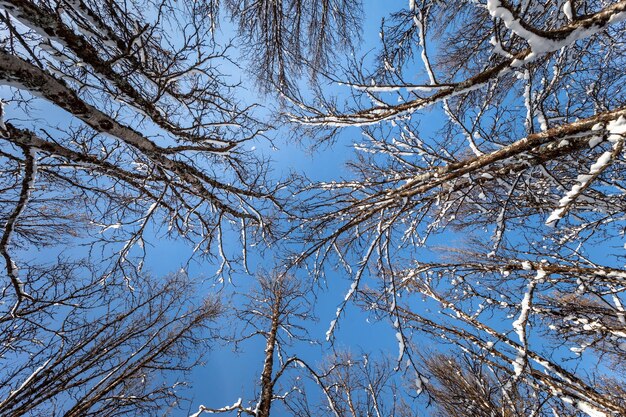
x,y
482,216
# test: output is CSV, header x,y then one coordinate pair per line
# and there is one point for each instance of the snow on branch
x,y
615,130
520,324
235,407
542,42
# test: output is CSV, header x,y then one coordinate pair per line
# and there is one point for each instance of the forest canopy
x,y
159,205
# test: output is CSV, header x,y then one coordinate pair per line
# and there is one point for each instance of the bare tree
x,y
527,165
285,37
465,385
141,130
277,312
342,384
274,311
151,132
354,385
88,346
524,169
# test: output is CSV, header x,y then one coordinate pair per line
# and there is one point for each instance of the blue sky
x,y
227,375
230,375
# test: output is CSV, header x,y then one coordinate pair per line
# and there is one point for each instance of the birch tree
x,y
497,126
278,312
116,126
274,312
148,129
